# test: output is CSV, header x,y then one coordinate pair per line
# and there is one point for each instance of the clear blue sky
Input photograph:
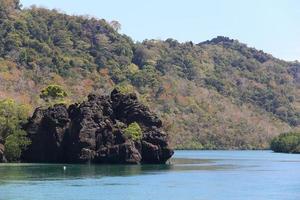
x,y
270,25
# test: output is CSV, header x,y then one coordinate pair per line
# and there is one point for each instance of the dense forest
x,y
216,94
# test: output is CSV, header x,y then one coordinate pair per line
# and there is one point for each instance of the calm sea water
x,y
191,175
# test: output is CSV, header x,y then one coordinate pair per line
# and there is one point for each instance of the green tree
x,y
125,88
14,144
286,143
53,94
148,76
12,116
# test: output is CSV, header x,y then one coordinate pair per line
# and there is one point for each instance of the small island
x,y
114,129
286,143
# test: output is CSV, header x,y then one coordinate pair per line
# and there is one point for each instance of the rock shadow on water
x,y
52,172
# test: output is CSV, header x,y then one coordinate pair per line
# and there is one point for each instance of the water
x,y
191,175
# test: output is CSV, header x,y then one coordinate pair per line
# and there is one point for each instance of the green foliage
x,y
133,131
148,76
12,116
15,144
132,68
125,88
55,41
53,93
286,143
190,145
215,83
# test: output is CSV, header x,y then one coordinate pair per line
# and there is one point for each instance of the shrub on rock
x,y
134,131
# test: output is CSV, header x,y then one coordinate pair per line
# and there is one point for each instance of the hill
x,y
216,94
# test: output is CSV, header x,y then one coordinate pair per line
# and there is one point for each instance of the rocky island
x,y
103,129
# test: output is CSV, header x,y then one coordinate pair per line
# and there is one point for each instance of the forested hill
x,y
215,94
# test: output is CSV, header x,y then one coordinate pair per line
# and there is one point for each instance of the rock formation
x,y
93,131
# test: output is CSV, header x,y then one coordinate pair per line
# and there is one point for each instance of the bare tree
x,y
115,25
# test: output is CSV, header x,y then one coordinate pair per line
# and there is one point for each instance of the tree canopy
x,y
12,117
53,93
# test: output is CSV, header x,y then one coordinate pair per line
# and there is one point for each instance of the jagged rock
x,y
128,109
93,131
155,147
46,130
91,121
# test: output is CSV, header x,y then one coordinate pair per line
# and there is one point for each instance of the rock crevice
x,y
2,157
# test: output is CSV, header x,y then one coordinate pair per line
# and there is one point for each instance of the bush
x,y
53,93
148,76
125,88
12,116
14,145
286,143
133,131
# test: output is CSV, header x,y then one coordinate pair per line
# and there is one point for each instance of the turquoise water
x,y
191,175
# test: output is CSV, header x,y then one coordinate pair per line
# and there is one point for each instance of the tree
x,y
148,76
124,88
12,117
115,25
8,7
14,144
53,93
286,143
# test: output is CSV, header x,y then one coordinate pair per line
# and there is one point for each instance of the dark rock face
x,y
127,109
2,158
46,129
93,131
155,147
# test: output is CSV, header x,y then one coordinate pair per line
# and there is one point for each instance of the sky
x,y
269,25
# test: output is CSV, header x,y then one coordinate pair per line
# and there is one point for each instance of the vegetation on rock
x,y
133,131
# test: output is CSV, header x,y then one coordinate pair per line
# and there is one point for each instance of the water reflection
x,y
36,172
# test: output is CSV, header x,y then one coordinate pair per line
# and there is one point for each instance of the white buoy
x,y
64,167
